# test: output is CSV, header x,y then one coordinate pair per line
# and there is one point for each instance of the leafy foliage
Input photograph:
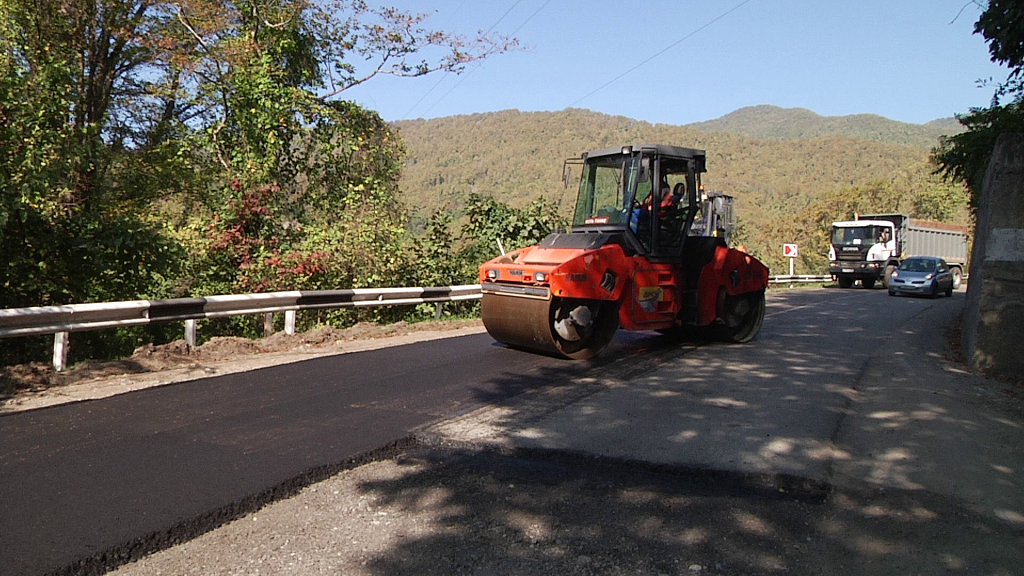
x,y
785,189
156,149
490,225
772,122
964,158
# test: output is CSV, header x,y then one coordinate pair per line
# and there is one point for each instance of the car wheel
x,y
935,290
949,291
892,293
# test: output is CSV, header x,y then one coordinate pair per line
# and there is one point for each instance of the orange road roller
x,y
647,250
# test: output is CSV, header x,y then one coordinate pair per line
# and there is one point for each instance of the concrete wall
x,y
993,335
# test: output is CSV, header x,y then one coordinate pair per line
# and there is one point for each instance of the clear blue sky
x,y
904,59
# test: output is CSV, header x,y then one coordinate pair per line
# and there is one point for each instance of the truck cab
x,y
861,250
870,247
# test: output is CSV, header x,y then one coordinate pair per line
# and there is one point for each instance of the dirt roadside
x,y
37,385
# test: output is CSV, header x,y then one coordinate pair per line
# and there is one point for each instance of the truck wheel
x,y
887,278
958,277
868,283
846,282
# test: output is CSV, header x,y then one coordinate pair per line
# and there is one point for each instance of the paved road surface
x,y
80,479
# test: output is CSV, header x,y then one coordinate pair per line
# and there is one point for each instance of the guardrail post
x,y
289,322
437,311
268,324
61,343
190,332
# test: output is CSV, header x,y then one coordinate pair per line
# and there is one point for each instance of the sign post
x,y
790,251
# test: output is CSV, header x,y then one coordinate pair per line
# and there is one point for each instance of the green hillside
x,y
772,122
517,157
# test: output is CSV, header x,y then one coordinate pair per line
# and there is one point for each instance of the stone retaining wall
x,y
993,334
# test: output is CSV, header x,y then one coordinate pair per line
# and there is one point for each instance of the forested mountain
x,y
784,187
772,122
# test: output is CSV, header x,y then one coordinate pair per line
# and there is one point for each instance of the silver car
x,y
922,275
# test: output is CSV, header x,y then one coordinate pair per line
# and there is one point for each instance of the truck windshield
x,y
606,190
856,236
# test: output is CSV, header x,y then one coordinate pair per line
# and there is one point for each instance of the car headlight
x,y
929,277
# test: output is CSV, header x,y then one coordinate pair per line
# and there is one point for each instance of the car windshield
x,y
605,190
918,265
856,235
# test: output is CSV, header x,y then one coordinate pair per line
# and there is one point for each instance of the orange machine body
x,y
650,295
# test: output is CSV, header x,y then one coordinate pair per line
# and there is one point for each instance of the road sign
x,y
789,250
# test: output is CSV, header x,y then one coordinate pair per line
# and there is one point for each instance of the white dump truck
x,y
870,247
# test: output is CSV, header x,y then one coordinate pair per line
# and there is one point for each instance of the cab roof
x,y
862,223
661,149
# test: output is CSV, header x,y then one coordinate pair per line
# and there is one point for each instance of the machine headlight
x,y
492,274
540,277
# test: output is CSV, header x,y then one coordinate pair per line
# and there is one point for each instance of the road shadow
x,y
771,406
772,410
479,512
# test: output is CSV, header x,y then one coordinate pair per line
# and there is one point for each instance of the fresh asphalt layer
x,y
809,398
79,479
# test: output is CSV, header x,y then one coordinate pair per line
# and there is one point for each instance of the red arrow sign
x,y
789,250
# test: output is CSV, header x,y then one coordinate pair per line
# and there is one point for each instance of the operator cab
x,y
644,194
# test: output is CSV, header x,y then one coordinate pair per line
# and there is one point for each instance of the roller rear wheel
x,y
741,317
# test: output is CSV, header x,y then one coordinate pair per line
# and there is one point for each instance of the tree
x,y
965,157
164,148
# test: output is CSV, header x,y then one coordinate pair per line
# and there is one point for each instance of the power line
x,y
438,83
525,22
666,49
424,97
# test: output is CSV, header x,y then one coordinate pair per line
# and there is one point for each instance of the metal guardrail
x,y
62,320
797,278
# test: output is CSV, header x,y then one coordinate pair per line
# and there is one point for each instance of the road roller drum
x,y
556,326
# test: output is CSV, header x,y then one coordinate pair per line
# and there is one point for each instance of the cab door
x,y
658,278
676,202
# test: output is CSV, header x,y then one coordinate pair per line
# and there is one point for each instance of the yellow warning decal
x,y
648,297
649,293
